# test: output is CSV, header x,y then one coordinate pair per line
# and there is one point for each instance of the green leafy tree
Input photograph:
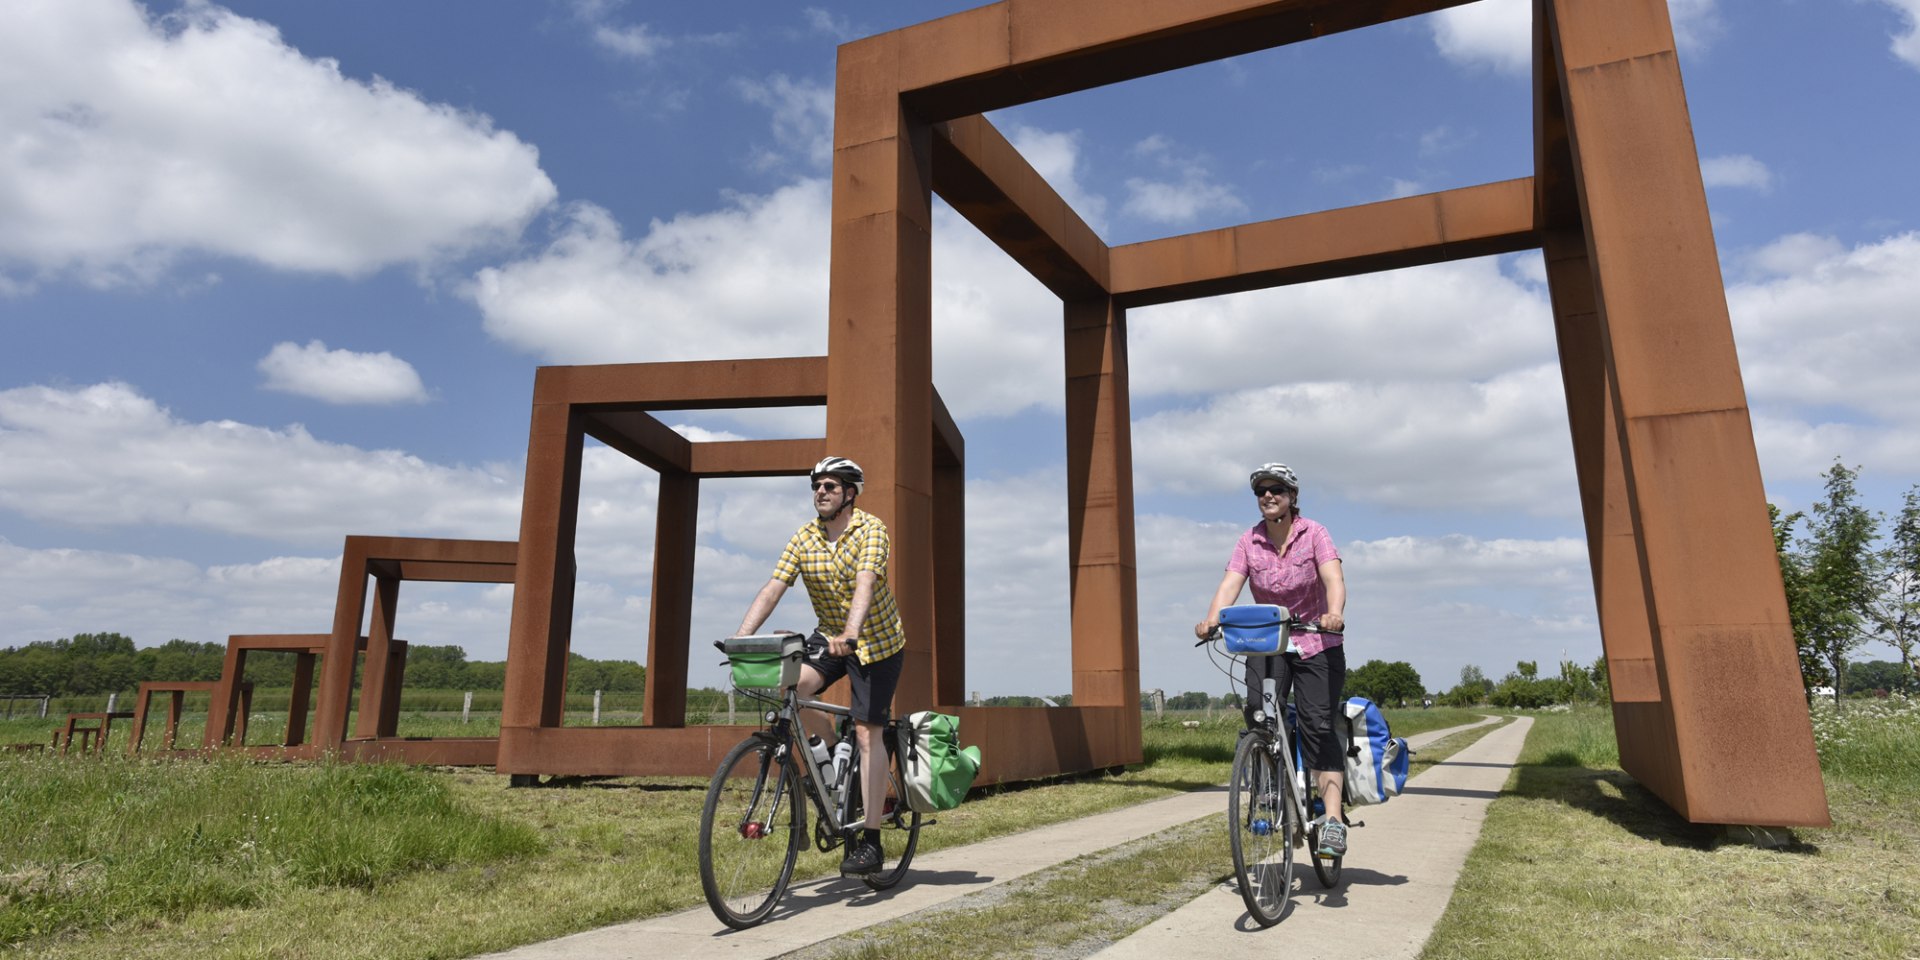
x,y
1842,573
1386,682
1879,677
437,668
1190,700
1793,576
1579,683
1602,680
1896,612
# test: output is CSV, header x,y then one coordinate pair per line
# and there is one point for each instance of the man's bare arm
x,y
762,606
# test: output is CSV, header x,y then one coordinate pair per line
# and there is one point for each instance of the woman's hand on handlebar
x,y
1205,629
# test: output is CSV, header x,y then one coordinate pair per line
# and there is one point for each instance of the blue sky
x,y
275,273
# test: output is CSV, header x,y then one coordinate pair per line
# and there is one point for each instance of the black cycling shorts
x,y
1318,684
873,683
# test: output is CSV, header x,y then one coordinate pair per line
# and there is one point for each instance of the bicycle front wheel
x,y
899,827
751,829
1260,824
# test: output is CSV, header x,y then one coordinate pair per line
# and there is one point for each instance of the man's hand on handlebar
x,y
840,646
1332,622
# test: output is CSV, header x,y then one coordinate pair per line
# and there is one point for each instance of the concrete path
x,y
1396,882
824,909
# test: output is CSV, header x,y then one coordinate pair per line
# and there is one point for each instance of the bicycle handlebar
x,y
1304,626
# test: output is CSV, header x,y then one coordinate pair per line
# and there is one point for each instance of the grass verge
x,y
1578,860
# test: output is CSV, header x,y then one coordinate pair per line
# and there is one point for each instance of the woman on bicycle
x,y
1290,560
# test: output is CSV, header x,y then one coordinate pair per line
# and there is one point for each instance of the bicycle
x,y
1268,800
753,823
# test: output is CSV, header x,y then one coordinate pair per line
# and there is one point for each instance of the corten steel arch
x,y
391,561
611,403
1706,684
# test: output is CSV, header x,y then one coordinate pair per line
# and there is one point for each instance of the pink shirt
x,y
1289,576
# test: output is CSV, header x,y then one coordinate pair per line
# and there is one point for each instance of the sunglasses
x,y
1271,491
827,485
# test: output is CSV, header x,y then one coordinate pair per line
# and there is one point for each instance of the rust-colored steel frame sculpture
x,y
176,691
389,561
611,403
1706,683
231,701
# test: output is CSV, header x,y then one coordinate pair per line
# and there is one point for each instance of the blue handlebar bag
x,y
1253,629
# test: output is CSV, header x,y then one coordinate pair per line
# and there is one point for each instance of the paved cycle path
x,y
1396,883
823,909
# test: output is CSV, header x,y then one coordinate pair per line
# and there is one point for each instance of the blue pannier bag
x,y
1376,759
1254,629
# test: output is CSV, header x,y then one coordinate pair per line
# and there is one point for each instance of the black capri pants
x,y
1318,683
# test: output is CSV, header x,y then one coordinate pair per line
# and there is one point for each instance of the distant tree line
x,y
102,663
1525,687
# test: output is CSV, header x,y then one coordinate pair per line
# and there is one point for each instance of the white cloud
x,y
1833,340
1503,442
824,21
1193,193
341,376
802,119
1795,253
750,280
1906,45
1494,34
106,455
134,141
1736,170
635,42
1466,320
1498,34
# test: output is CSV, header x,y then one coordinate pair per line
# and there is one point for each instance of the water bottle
x,y
819,747
842,755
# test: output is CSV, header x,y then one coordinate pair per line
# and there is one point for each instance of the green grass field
x,y
1578,860
226,858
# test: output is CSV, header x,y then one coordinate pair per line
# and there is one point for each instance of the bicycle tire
x,y
748,845
900,832
1260,825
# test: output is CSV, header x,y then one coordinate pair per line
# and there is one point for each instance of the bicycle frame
x,y
830,795
1280,743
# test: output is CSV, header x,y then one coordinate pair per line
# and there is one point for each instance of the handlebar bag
x,y
1253,629
770,660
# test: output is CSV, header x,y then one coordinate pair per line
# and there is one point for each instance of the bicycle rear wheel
x,y
751,830
899,829
1260,817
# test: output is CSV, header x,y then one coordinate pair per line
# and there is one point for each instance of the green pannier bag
x,y
939,770
770,660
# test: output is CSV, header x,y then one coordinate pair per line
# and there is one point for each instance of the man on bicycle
x,y
1290,560
842,555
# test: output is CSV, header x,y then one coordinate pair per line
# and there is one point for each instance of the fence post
x,y
466,709
596,708
729,706
111,697
44,702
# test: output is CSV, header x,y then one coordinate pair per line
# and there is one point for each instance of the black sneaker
x,y
863,857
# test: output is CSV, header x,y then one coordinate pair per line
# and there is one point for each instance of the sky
x,y
272,274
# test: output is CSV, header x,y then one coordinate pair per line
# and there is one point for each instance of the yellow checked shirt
x,y
831,569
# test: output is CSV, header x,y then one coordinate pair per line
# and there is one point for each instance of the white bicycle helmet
x,y
842,469
1278,472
